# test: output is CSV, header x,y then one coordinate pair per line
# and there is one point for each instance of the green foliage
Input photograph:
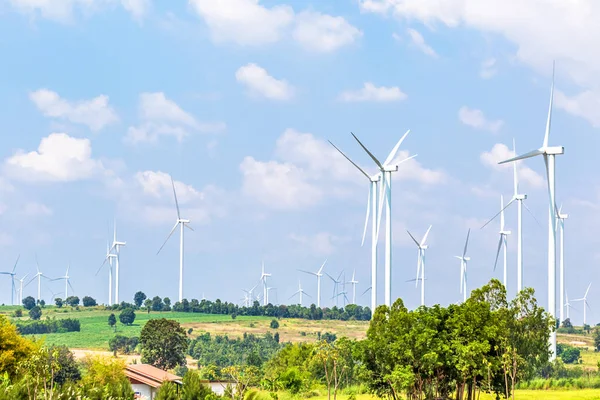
x,y
148,305
89,301
194,389
13,348
68,367
167,391
127,316
105,379
157,304
163,343
48,326
112,320
58,302
138,299
568,354
29,302
73,301
274,324
566,323
18,313
597,339
123,344
35,313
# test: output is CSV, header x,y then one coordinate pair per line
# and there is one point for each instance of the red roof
x,y
149,375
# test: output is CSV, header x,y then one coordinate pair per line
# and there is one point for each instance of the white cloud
x,y
163,117
95,113
158,184
500,152
322,243
137,8
488,68
584,104
259,83
33,209
324,33
244,22
419,42
370,92
412,170
59,158
476,119
541,31
63,10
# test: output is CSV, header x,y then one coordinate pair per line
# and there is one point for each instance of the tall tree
x,y
138,298
163,343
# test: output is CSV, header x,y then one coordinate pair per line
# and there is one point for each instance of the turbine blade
x,y
16,262
368,152
406,159
413,238
306,294
352,162
71,286
516,177
418,268
367,217
322,266
369,288
425,236
530,154
466,243
549,120
498,213
530,212
382,195
587,291
307,272
175,195
498,252
501,212
168,237
105,260
189,227
31,280
330,277
392,154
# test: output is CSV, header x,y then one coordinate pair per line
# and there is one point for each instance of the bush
x,y
123,344
49,326
89,302
35,313
127,316
73,301
18,313
569,354
274,324
28,302
59,302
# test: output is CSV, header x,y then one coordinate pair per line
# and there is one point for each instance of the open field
x,y
95,331
583,394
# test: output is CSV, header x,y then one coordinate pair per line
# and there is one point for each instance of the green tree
x,y
112,320
29,302
243,376
73,301
567,323
167,391
167,304
127,316
148,305
13,347
105,379
138,298
274,324
89,301
597,339
59,302
163,343
157,304
35,313
68,367
18,313
194,389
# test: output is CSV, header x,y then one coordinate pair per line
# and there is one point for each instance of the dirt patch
x,y
80,354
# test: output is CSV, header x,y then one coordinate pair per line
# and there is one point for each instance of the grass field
x,y
582,394
95,332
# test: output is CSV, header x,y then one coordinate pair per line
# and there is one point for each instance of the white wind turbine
x,y
39,275
568,305
386,170
108,258
301,292
463,268
116,246
67,281
336,283
344,296
421,262
353,282
318,274
12,275
561,226
21,288
502,243
182,223
249,297
263,278
549,154
275,290
585,303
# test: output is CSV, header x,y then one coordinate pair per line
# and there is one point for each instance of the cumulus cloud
x,y
259,83
418,41
476,119
324,33
321,243
500,152
59,158
162,117
64,10
370,92
95,113
488,68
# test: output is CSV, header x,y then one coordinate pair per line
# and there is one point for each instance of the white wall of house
x,y
146,392
217,387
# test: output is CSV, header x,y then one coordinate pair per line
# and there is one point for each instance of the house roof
x,y
149,375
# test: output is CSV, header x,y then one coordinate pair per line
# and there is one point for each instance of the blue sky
x,y
102,100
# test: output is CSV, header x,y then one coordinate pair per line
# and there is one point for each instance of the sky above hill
x,y
103,100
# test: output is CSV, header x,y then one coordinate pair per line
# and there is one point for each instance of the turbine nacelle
x,y
183,221
520,197
505,233
554,150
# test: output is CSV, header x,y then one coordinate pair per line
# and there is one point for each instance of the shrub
x,y
89,301
127,316
59,302
18,313
274,324
123,344
28,302
49,326
35,313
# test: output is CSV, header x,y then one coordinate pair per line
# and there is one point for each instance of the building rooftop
x,y
149,375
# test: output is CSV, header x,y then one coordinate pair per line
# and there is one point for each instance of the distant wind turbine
x,y
67,281
561,226
116,246
502,243
300,292
353,282
336,283
463,268
108,258
422,246
585,303
39,277
263,278
21,288
12,275
318,274
568,305
182,223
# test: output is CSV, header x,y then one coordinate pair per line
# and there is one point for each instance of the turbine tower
x,y
318,274
561,226
336,283
263,278
421,262
585,303
21,288
182,223
12,278
301,292
39,277
67,281
248,297
109,258
353,282
502,243
549,154
463,268
568,305
116,246
386,170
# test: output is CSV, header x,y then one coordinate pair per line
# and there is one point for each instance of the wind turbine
x,y
109,258
182,223
275,289
12,278
568,305
39,277
301,292
549,154
421,262
21,288
54,294
353,282
336,283
386,170
249,295
463,268
561,226
67,281
318,274
263,278
116,246
344,298
585,302
502,243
